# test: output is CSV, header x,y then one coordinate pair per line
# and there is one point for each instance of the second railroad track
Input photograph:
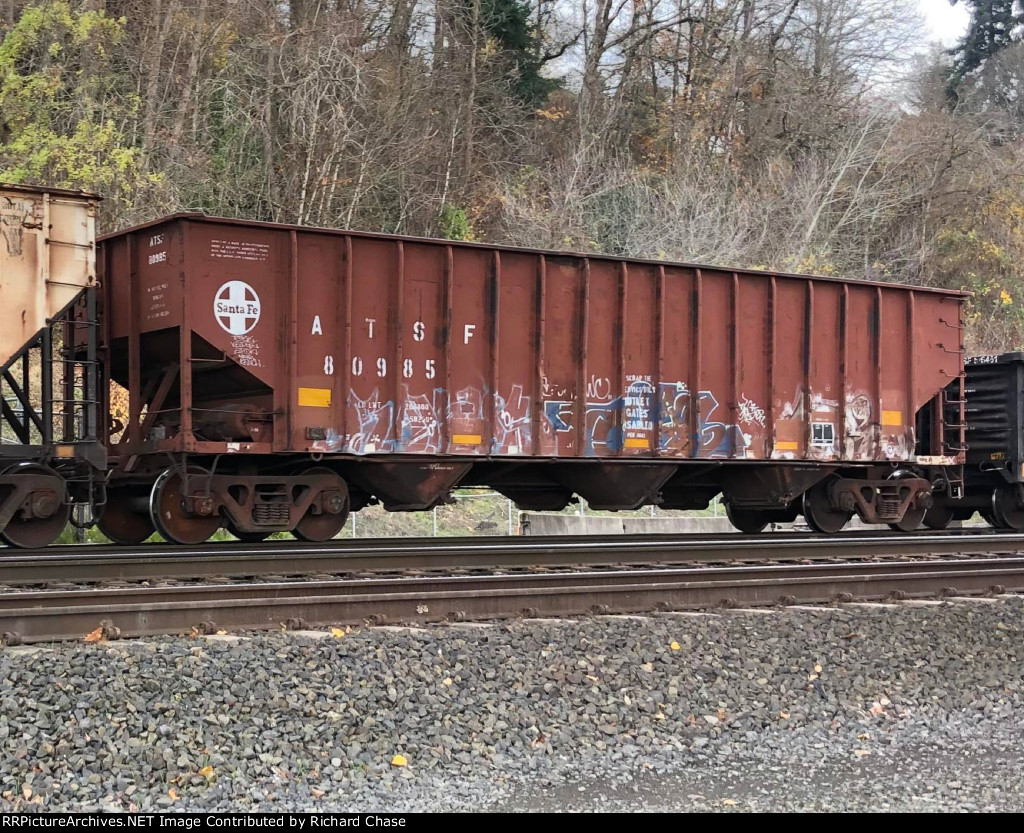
x,y
71,592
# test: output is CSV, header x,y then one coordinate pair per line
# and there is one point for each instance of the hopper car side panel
x,y
412,365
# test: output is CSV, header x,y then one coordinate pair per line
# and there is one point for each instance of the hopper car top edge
x,y
54,192
552,253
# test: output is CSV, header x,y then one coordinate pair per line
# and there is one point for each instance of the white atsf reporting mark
x,y
236,306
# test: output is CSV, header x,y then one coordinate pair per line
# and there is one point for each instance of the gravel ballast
x,y
895,707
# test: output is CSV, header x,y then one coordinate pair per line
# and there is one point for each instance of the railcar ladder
x,y
74,365
954,428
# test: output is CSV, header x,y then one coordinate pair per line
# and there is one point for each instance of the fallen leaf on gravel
x,y
860,753
399,760
730,802
850,636
173,793
95,636
26,791
338,632
784,715
721,714
877,709
675,646
317,793
206,771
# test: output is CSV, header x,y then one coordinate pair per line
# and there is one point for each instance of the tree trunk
x,y
154,70
474,48
439,30
270,120
398,31
594,52
188,93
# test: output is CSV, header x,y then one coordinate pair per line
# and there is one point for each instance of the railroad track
x,y
291,558
417,594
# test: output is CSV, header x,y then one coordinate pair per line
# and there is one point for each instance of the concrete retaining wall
x,y
540,523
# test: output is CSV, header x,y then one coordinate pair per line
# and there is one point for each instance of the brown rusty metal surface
x,y
33,616
369,345
73,564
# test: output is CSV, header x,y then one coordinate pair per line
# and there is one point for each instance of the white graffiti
x,y
820,404
512,418
552,391
750,411
599,388
247,351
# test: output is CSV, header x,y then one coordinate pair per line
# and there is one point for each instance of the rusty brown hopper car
x,y
280,377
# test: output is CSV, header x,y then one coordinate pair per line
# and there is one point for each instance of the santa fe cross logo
x,y
236,307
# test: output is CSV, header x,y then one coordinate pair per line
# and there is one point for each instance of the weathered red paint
x,y
370,344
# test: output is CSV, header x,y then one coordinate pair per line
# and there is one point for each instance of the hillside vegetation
x,y
808,135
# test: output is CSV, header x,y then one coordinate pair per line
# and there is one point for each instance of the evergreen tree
x,y
995,24
508,23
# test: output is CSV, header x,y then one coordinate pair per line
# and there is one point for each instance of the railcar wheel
x,y
939,516
120,523
988,516
818,512
247,537
31,533
1006,509
167,511
750,521
323,526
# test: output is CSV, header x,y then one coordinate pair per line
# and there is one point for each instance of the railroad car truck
x,y
280,377
51,453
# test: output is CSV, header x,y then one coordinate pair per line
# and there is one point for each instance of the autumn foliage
x,y
808,135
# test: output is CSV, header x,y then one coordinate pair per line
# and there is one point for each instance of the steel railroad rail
x,y
37,615
291,558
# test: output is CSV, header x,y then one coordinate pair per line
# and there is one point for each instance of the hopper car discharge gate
x,y
281,377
